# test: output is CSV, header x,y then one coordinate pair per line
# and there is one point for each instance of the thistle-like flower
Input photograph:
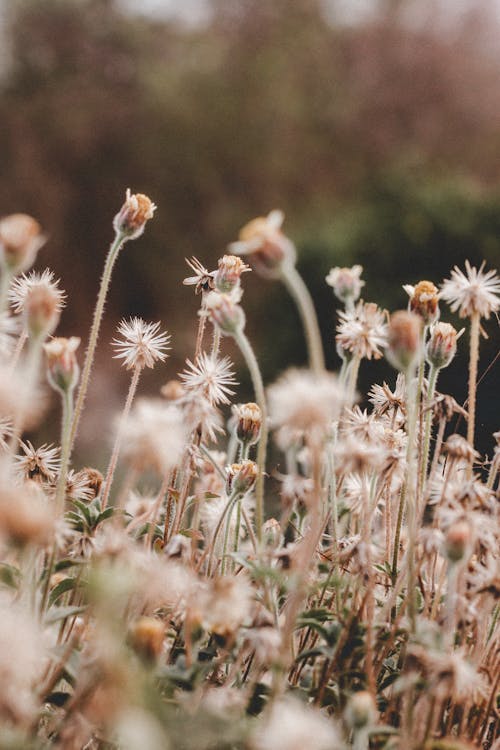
x,y
363,331
142,344
476,291
40,463
210,376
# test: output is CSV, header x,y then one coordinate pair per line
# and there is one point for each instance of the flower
x,y
142,345
346,283
404,339
248,422
474,292
20,240
22,286
38,463
442,345
363,331
265,244
424,300
203,280
210,376
62,367
133,215
222,311
228,274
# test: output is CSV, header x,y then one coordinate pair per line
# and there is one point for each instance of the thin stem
x,y
119,437
260,397
433,376
5,279
116,246
473,361
300,293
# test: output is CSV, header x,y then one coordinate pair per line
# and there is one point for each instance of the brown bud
x,y
146,637
249,422
133,215
404,339
424,301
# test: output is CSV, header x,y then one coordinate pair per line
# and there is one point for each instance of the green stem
x,y
115,248
300,293
253,367
473,361
119,437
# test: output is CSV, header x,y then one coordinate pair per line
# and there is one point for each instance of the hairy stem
x,y
473,361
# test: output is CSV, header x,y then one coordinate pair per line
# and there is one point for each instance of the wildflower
x,y
228,274
241,477
20,240
249,422
21,287
442,345
223,312
210,376
146,637
346,283
265,244
82,485
384,400
41,464
363,331
424,301
141,345
203,280
404,340
474,292
62,367
292,725
303,401
133,215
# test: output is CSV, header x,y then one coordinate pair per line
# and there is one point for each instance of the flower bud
x,y
42,310
227,277
442,345
62,367
266,245
271,533
146,637
360,711
404,339
223,312
241,477
458,541
20,240
133,215
424,301
346,283
249,423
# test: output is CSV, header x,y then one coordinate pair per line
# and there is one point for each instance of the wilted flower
x,y
228,274
20,240
248,422
203,280
346,283
265,244
133,215
41,464
363,330
473,292
241,477
142,346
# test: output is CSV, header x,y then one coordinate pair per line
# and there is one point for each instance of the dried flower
x,y
41,464
211,377
265,244
473,292
228,274
241,477
424,301
20,240
346,283
21,287
42,305
203,280
404,340
133,215
442,345
363,331
62,367
223,312
249,422
142,346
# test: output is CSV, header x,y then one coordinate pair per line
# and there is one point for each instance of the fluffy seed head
x,y
475,291
133,215
404,341
20,240
211,377
424,300
142,345
22,286
363,331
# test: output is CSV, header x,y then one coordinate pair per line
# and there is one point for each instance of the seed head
x,y
133,215
265,244
363,330
42,308
472,292
20,240
404,339
346,283
62,367
142,346
211,377
424,301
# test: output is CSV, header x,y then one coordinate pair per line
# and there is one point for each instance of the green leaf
x,y
66,585
9,575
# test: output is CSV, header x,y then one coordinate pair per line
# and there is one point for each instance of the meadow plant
x,y
177,601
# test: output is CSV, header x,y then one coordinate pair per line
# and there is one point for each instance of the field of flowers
x,y
363,614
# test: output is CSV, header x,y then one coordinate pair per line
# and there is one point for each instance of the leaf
x,y
9,575
106,513
61,613
66,585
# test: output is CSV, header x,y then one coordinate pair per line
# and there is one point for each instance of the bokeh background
x,y
374,125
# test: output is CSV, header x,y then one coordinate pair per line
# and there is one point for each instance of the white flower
x,y
476,292
346,282
142,345
211,377
363,331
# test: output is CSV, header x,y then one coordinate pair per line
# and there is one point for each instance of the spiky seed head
x,y
142,345
133,215
20,240
42,310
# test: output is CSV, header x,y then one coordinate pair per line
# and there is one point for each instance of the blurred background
x,y
375,126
